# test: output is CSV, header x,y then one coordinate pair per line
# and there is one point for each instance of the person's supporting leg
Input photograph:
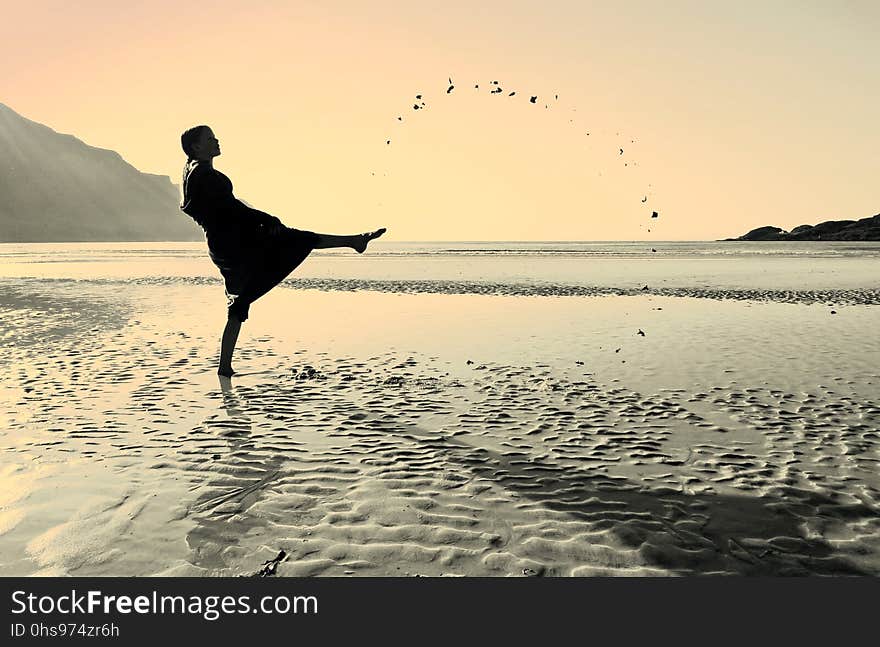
x,y
227,346
358,242
255,288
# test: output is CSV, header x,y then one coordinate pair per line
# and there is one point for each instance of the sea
x,y
585,264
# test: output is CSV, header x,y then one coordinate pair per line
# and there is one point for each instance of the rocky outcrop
x,y
864,229
54,187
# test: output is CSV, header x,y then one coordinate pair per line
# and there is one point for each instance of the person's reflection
x,y
231,403
238,478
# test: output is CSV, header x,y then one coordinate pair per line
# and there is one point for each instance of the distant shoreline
x,y
866,230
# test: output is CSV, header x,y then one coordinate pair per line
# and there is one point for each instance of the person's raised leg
x,y
357,242
227,345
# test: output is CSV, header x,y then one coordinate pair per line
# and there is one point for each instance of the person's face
x,y
207,146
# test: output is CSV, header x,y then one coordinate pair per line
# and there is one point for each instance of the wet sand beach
x,y
428,425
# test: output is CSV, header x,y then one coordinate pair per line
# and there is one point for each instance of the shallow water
x,y
621,264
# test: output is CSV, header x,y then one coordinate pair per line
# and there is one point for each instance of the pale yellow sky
x,y
743,114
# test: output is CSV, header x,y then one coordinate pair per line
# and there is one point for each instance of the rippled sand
x,y
438,427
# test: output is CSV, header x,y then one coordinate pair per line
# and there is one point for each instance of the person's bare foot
x,y
362,240
225,371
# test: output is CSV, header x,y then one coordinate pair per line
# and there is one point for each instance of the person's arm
x,y
197,201
213,203
269,221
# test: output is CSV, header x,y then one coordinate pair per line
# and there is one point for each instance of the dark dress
x,y
251,260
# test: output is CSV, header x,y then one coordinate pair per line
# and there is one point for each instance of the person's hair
x,y
190,137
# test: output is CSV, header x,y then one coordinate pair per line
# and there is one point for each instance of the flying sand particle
x,y
533,99
654,214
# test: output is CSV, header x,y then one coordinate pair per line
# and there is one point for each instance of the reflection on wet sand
x,y
244,474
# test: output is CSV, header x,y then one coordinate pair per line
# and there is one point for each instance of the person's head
x,y
199,143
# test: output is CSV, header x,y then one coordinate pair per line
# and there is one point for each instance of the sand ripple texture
x,y
124,454
856,296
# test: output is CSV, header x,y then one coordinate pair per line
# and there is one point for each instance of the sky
x,y
731,116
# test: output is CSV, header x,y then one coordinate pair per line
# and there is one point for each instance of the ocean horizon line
x,y
456,242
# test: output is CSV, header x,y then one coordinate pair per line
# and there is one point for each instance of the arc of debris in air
x,y
532,99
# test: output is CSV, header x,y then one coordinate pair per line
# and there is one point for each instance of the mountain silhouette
x,y
55,187
866,229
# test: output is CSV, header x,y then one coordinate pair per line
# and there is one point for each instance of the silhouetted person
x,y
254,251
